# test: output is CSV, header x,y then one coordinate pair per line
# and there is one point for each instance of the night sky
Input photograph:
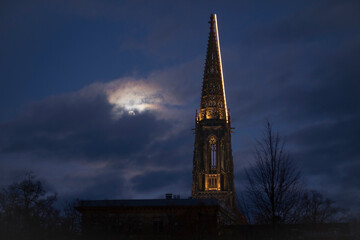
x,y
98,98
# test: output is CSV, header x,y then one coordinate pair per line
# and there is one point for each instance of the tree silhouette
x,y
27,210
274,183
315,208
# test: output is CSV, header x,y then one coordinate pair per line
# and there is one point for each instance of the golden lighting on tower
x,y
221,70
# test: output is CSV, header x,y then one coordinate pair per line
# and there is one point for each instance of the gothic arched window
x,y
213,157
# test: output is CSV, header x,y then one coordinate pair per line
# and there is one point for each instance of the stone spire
x,y
213,100
213,165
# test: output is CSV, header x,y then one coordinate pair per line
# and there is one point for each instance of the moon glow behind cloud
x,y
133,97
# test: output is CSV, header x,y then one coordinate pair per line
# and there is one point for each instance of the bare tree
x,y
318,209
27,210
274,183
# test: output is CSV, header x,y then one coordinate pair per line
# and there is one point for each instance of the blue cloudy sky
x,y
98,98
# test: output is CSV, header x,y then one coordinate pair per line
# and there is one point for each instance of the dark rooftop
x,y
148,203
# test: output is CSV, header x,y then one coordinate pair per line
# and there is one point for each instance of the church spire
x,y
213,164
213,100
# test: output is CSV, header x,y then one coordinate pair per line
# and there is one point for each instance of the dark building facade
x,y
213,166
154,219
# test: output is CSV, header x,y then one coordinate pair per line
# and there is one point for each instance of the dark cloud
x,y
310,22
325,146
104,186
159,179
79,127
98,154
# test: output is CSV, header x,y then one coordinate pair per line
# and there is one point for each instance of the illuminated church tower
x,y
213,171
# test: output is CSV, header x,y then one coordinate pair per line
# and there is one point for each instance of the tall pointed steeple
x,y
213,166
213,100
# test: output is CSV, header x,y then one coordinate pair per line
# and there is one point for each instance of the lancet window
x,y
212,183
213,153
